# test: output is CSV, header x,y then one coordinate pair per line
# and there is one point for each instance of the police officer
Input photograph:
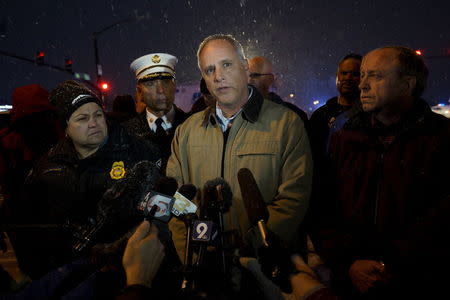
x,y
68,182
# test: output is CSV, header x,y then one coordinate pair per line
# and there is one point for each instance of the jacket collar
x,y
250,110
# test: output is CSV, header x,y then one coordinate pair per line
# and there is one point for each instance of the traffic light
x,y
40,57
419,52
104,86
68,65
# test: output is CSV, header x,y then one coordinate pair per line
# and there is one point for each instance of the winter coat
x,y
391,198
266,138
138,127
277,99
321,123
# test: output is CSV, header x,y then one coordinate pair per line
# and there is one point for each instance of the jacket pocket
x,y
258,148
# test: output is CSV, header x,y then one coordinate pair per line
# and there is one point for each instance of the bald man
x,y
262,78
261,74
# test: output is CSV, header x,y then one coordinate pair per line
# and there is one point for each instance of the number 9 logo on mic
x,y
202,231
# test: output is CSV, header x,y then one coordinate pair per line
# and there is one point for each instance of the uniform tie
x,y
160,132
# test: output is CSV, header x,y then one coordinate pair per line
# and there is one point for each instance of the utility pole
x,y
98,65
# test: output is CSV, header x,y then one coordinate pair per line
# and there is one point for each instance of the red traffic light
x,y
68,65
419,52
40,57
104,86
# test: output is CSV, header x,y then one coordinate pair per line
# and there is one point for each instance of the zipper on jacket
x,y
380,163
226,133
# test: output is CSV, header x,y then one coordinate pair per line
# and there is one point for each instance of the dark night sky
x,y
305,39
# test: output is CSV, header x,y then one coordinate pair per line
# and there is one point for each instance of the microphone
x,y
217,197
269,249
183,200
117,211
253,200
185,209
255,206
122,197
188,190
216,201
179,205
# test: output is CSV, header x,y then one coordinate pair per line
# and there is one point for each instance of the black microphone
x,y
216,201
217,197
270,250
166,185
186,210
188,190
255,206
117,210
160,197
253,200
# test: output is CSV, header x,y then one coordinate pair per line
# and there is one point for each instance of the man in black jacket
x,y
326,117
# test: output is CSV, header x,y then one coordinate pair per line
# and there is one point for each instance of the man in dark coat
x,y
328,119
155,74
325,118
388,219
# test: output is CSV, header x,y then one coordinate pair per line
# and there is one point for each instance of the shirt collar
x,y
250,110
224,121
167,119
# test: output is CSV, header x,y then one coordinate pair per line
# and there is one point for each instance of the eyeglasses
x,y
256,75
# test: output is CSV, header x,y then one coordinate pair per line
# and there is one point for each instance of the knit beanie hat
x,y
70,95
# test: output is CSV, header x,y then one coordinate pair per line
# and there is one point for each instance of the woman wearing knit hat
x,y
67,183
83,116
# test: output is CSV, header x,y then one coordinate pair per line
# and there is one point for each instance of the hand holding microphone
x,y
143,255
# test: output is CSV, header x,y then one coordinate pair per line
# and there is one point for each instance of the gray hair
x,y
412,64
226,37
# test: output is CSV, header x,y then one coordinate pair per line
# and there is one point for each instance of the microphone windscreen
x,y
117,210
166,185
188,190
124,195
217,193
251,195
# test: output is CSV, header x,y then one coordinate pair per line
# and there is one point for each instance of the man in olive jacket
x,y
243,131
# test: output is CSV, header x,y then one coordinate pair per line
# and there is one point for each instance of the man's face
x,y
261,75
224,73
381,84
157,94
348,77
